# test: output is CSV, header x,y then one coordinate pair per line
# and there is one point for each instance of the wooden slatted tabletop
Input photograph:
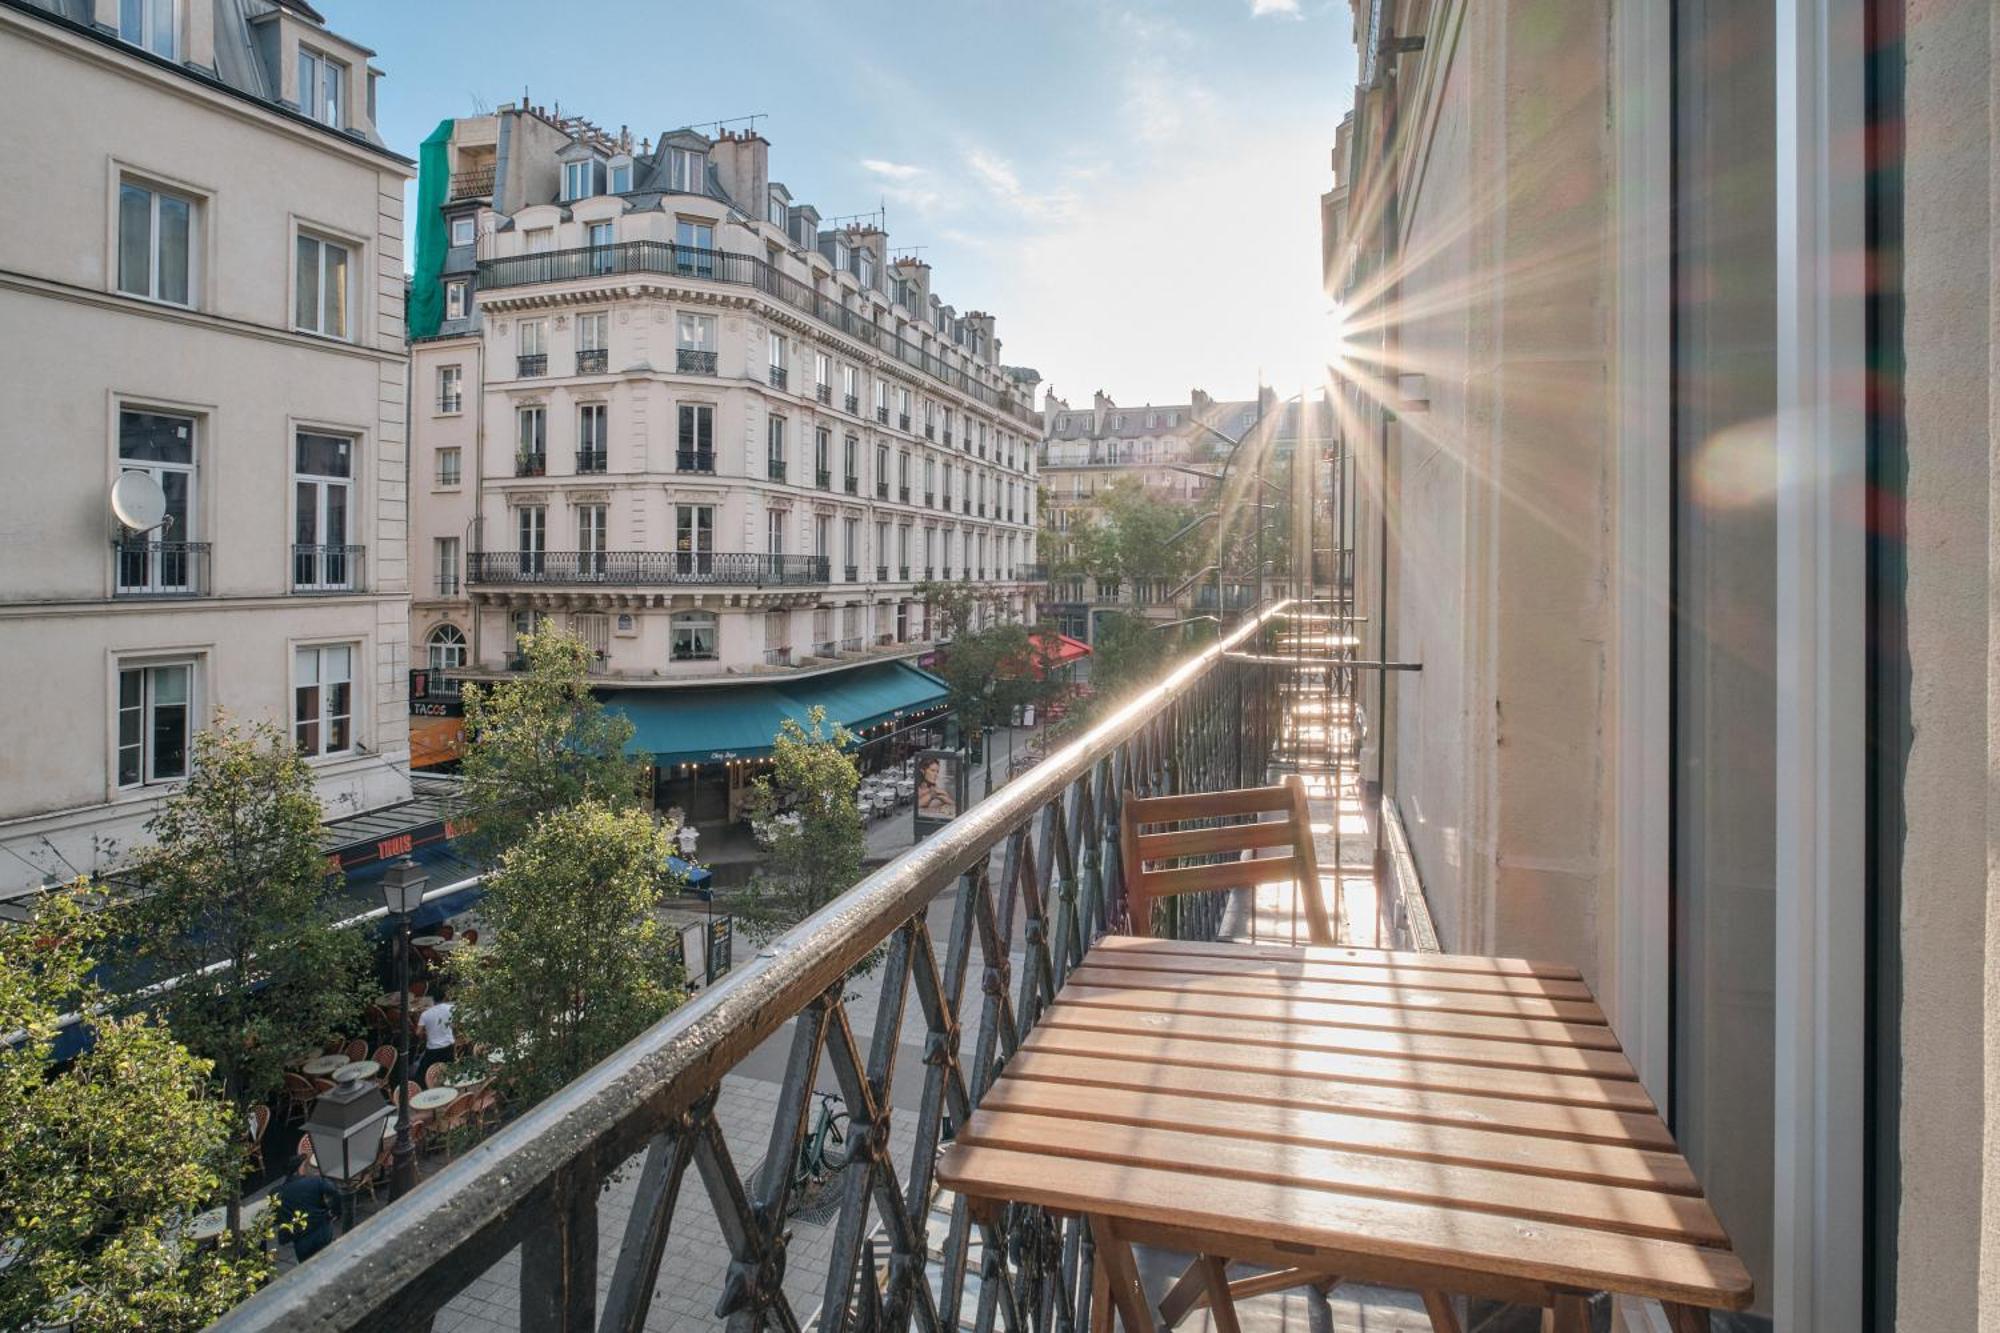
x,y
1449,1124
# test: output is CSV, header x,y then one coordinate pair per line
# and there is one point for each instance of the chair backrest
x,y
298,1085
410,1089
357,1049
419,987
1292,828
260,1120
471,936
434,1076
385,1056
446,930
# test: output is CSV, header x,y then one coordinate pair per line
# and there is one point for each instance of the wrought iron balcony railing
x,y
694,460
671,259
853,485
903,494
1045,847
882,415
160,569
778,377
881,490
881,573
327,568
694,361
777,657
532,366
903,421
774,468
739,568
824,392
851,644
823,479
592,460
850,573
534,464
852,404
592,361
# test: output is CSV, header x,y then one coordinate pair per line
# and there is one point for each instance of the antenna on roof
x,y
750,121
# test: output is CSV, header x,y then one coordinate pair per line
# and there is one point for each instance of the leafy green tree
x,y
1128,652
579,962
101,1165
235,904
817,856
1129,535
539,742
988,672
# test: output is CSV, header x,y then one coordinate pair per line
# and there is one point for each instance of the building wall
x,y
1948,1237
73,351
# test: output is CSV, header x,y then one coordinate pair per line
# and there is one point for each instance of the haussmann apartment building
x,y
201,292
664,405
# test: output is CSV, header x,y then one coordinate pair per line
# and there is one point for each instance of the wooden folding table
x,y
1440,1123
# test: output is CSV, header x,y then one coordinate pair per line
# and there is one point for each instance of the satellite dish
x,y
138,502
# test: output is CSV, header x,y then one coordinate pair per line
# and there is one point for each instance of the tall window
x,y
823,454
694,538
322,86
774,532
457,298
162,446
153,24
155,244
774,447
697,438
582,179
447,648
778,357
882,466
532,343
851,457
155,722
850,386
697,332
694,252
444,555
694,636
600,236
449,467
621,174
531,440
593,334
323,497
323,699
851,542
593,433
531,528
822,370
323,280
590,538
822,535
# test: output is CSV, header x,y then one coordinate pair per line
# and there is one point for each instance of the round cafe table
x,y
355,1071
434,1099
322,1066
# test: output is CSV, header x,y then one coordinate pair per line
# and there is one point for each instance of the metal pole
x,y
403,1160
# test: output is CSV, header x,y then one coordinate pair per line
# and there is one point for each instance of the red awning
x,y
1059,649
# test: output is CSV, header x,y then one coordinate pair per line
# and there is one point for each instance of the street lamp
x,y
346,1132
403,886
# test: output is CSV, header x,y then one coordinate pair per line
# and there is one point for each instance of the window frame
x,y
458,298
450,390
144,666
303,234
694,623
324,64
157,189
149,30
324,715
457,471
432,645
471,225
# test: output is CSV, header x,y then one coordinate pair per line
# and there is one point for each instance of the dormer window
x,y
322,86
153,24
584,178
687,170
621,174
779,213
864,268
464,230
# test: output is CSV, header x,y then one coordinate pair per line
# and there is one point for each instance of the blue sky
x,y
1130,186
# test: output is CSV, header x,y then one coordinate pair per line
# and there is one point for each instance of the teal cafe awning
x,y
714,724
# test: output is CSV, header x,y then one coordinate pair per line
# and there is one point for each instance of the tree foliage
x,y
539,742
235,902
991,667
1127,534
102,1165
817,856
579,962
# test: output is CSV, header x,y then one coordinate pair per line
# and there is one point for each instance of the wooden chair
x,y
434,1076
299,1094
445,930
471,937
260,1120
1237,841
356,1050
418,988
385,1056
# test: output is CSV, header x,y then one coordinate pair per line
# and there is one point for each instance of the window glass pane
x,y
305,714
335,285
1725,594
170,740
306,316
308,82
325,455
152,437
163,34
135,240
339,717
176,231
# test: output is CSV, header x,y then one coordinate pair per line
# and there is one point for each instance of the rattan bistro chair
x,y
1221,855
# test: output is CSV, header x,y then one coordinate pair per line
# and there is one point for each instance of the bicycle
x,y
825,1149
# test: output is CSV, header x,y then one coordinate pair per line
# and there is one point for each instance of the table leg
x,y
1187,1294
1685,1318
1215,1272
1121,1272
1569,1312
1444,1319
1101,1320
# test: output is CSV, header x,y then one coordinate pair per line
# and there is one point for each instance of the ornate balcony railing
x,y
1044,849
852,404
592,361
592,460
824,392
160,569
740,568
774,468
823,479
694,361
694,460
327,568
778,377
531,365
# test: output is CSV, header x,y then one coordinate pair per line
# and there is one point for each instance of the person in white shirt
x,y
440,1045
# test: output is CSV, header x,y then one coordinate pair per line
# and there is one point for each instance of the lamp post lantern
x,y
346,1132
403,886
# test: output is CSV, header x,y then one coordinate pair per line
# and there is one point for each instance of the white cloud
x,y
1001,181
895,171
1265,8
